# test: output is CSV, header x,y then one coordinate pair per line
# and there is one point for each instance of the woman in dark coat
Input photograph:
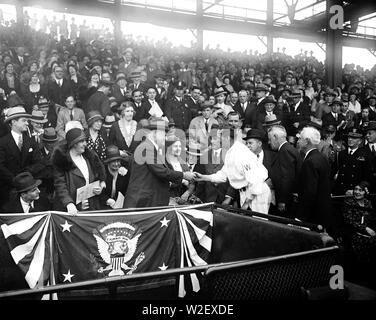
x,y
74,167
117,177
361,222
9,80
123,131
180,193
96,136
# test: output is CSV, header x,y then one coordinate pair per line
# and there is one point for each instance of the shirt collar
x,y
308,152
281,145
25,204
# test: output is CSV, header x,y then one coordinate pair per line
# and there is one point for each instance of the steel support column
x,y
117,22
269,22
200,31
19,13
334,42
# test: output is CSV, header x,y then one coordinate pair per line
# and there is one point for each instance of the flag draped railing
x,y
57,248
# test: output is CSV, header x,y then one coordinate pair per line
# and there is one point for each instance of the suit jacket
x,y
116,92
351,170
372,156
314,190
284,172
13,161
178,112
116,138
161,98
14,206
301,114
150,178
127,70
142,112
260,118
328,119
99,101
248,115
142,87
193,106
121,186
198,133
64,116
58,94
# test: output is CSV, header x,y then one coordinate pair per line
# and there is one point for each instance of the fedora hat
x,y
74,136
206,104
15,113
112,154
93,116
371,126
337,101
159,75
330,128
170,140
38,117
371,97
296,93
135,74
49,135
219,91
109,120
270,99
180,86
155,124
262,87
15,101
193,151
25,181
271,120
255,134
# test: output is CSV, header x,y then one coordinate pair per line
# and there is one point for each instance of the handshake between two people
x,y
195,176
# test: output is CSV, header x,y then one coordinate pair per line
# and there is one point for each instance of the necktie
x,y
243,106
258,156
351,152
373,148
31,209
59,83
19,144
71,115
206,125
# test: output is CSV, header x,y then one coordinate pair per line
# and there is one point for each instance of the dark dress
x,y
357,219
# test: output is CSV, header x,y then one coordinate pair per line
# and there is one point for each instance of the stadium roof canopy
x,y
234,16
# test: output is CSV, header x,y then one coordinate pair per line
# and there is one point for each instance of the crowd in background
x,y
75,85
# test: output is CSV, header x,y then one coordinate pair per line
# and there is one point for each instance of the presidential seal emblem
x,y
117,244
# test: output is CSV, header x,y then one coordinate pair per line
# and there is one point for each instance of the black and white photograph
x,y
185,156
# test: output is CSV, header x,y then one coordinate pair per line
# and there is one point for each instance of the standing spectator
x,y
269,109
193,101
117,176
314,181
33,92
27,196
353,164
18,152
49,112
122,132
63,27
177,110
76,82
285,170
96,139
300,112
59,88
35,130
246,110
73,30
201,126
127,65
74,167
372,108
99,100
70,113
149,172
9,80
354,104
119,90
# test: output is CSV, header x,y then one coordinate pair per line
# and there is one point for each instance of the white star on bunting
x,y
164,222
164,267
66,226
68,276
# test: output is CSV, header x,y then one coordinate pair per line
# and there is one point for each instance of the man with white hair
x,y
314,181
284,170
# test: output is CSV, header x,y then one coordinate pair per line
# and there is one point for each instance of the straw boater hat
x,y
262,87
109,120
219,91
38,117
15,113
155,124
271,120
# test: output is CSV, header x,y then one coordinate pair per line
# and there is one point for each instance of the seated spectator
x,y
9,80
32,92
27,196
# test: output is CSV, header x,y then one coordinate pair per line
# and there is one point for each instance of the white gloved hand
x,y
72,209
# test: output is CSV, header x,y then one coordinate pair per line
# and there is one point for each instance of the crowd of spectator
x,y
71,90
